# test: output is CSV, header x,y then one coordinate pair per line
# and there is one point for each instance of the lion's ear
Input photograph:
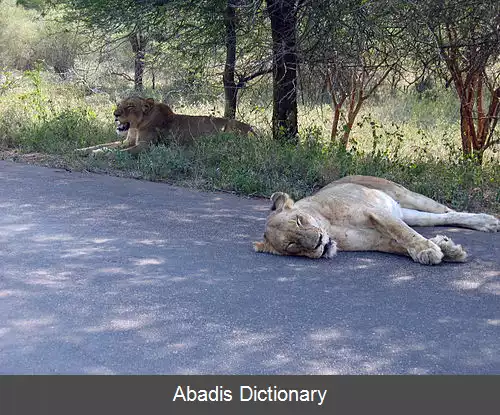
x,y
265,247
281,200
147,105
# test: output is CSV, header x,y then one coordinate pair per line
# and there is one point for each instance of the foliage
x,y
37,118
19,32
413,138
461,40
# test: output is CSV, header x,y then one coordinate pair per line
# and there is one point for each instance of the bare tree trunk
x,y
355,102
283,26
138,42
337,106
335,121
230,88
466,128
476,123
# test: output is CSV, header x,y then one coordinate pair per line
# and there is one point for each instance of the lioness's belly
x,y
349,203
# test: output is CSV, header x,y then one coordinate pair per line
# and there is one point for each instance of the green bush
x,y
35,116
64,131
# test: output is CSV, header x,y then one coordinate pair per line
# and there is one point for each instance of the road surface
x,y
105,275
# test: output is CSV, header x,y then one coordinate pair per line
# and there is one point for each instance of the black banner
x,y
70,395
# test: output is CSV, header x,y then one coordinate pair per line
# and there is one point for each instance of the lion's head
x,y
292,231
131,112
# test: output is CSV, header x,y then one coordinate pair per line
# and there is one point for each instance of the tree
x,y
138,41
230,91
116,21
198,31
245,21
283,17
464,37
352,47
349,87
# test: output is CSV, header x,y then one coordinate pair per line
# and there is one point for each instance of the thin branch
x,y
123,75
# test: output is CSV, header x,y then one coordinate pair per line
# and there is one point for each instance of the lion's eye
x,y
300,222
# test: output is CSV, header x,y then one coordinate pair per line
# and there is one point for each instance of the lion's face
x,y
130,112
292,231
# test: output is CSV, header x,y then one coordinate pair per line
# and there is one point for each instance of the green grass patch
x,y
259,166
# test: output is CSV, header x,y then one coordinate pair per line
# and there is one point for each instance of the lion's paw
x,y
428,254
452,251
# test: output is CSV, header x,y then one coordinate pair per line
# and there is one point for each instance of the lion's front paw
x,y
427,253
451,251
486,223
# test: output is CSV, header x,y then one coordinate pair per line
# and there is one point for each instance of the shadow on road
x,y
145,278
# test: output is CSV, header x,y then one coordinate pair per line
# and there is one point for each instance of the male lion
x,y
363,213
144,122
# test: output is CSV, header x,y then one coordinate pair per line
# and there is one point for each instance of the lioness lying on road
x,y
145,122
363,213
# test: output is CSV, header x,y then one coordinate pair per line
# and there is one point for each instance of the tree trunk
x,y
138,42
335,122
283,26
336,104
476,127
230,89
355,102
477,123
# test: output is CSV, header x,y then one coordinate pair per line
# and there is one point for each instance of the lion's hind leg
x,y
405,197
411,200
478,221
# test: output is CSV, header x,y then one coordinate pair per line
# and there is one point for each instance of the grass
x,y
395,138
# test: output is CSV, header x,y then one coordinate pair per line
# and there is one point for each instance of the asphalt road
x,y
105,275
